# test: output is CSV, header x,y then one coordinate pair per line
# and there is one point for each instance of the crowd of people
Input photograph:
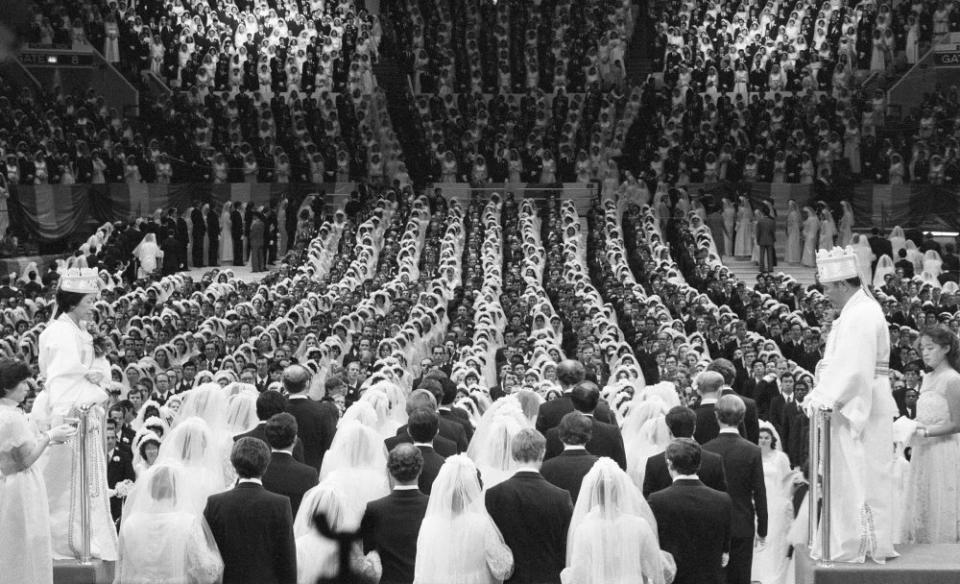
x,y
494,336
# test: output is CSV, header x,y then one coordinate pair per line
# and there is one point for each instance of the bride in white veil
x,y
884,266
193,445
932,263
356,463
458,540
163,536
490,446
613,533
770,562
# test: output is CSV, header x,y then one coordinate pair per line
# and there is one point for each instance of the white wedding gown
x,y
770,562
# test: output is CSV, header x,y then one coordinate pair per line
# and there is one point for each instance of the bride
x,y
163,539
770,562
933,508
192,445
459,542
613,533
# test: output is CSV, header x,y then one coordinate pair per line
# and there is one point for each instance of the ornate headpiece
x,y
837,264
80,280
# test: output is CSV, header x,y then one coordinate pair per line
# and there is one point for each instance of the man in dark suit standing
x,y
743,466
182,231
569,374
390,525
682,422
766,239
423,425
119,469
236,232
532,514
316,421
750,426
285,476
255,243
213,234
880,246
693,520
171,255
253,527
568,468
451,433
199,223
269,404
606,439
708,385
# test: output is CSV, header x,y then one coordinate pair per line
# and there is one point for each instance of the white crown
x,y
80,280
837,264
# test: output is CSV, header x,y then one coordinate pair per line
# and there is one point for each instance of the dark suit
x,y
450,431
390,526
606,441
260,432
533,516
199,226
568,469
552,411
285,476
254,530
460,417
213,234
441,445
316,425
656,477
743,466
431,468
119,468
236,233
766,239
693,522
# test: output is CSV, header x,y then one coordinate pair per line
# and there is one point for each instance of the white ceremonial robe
x,y
852,377
66,355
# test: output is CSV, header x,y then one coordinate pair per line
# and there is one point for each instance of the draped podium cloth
x,y
854,380
66,356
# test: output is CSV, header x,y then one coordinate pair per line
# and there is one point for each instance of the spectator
x,y
285,475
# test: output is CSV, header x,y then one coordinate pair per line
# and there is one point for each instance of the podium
x,y
917,564
73,572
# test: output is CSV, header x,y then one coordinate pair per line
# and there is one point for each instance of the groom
x,y
852,380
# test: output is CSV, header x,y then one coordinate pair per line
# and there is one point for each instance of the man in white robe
x,y
853,381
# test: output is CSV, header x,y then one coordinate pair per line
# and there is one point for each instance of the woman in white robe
x,y
914,256
898,240
163,536
845,235
743,244
73,375
794,245
226,235
811,229
828,230
490,446
885,266
932,264
861,247
148,253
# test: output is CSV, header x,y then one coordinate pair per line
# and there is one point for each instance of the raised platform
x,y
917,564
71,572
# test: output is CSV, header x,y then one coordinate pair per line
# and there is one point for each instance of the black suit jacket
x,y
431,468
460,417
119,468
533,516
390,526
260,432
743,466
285,476
254,530
441,445
449,431
568,469
708,428
552,411
693,522
656,477
606,441
316,425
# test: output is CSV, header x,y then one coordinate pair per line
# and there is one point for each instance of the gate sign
x,y
947,58
56,59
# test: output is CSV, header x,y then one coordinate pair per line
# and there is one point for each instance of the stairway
x,y
393,81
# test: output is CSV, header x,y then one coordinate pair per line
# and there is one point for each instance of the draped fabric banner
x,y
49,213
